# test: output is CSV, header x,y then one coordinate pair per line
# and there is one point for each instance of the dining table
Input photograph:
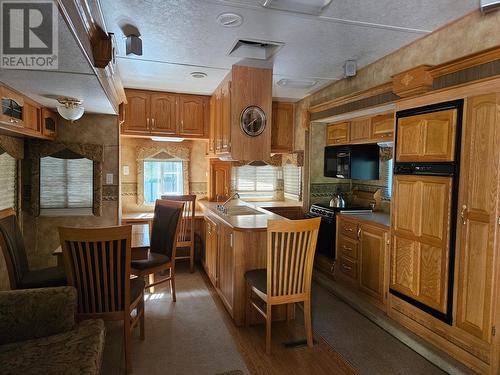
x,y
139,245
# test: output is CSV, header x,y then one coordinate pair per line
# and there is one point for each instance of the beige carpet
x,y
186,337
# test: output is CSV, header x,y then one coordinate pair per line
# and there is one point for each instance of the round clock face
x,y
253,121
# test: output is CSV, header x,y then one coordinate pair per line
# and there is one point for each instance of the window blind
x,y
66,183
385,176
8,181
257,181
292,180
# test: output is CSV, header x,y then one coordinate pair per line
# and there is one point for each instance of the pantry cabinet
x,y
165,114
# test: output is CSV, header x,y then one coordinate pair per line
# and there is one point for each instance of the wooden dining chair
x,y
16,260
185,238
162,250
97,262
290,256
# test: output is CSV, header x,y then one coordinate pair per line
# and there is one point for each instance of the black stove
x,y
327,230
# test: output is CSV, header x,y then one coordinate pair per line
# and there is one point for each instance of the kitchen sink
x,y
242,210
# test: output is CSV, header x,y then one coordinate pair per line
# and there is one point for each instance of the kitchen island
x,y
235,243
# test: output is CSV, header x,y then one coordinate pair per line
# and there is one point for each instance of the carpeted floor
x,y
370,349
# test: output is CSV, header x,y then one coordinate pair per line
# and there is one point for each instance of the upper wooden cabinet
x,y
219,187
168,114
13,109
427,137
49,123
337,133
361,130
225,117
282,127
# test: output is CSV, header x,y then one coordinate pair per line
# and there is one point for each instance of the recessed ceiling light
x,y
296,83
198,74
229,19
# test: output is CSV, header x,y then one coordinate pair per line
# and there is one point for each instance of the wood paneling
x,y
427,137
337,133
360,130
136,112
192,115
420,229
163,113
478,205
282,127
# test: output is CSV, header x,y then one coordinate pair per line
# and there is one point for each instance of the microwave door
x,y
343,165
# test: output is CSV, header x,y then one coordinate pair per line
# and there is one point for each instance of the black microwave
x,y
356,162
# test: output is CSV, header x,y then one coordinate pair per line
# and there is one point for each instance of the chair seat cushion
x,y
136,288
154,259
78,351
258,279
43,278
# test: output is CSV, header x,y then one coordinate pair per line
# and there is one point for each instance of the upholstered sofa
x,y
38,334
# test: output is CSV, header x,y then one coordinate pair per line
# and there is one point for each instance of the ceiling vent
x,y
254,49
296,83
489,5
229,19
313,7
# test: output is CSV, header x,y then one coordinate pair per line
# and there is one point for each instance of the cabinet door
x,y
383,127
337,133
192,110
427,137
225,108
164,114
211,250
211,129
420,242
226,266
360,130
218,120
283,122
136,113
372,254
12,107
31,117
49,123
220,180
478,204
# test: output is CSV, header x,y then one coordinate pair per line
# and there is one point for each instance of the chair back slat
x,y
291,246
97,262
186,226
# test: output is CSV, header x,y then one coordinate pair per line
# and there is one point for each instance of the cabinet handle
x,y
347,229
463,214
147,121
13,120
153,122
346,267
347,248
359,233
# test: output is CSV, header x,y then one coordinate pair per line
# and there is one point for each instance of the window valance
x,y
12,146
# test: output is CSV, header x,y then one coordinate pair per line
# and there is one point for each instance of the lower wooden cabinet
x,y
362,258
211,246
225,263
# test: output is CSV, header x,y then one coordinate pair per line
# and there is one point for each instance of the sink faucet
x,y
222,207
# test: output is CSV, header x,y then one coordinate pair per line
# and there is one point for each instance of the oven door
x,y
326,236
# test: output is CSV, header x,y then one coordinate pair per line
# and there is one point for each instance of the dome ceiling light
x,y
70,108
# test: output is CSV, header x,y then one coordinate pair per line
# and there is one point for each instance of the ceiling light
x,y
314,7
296,83
198,74
70,108
167,139
229,19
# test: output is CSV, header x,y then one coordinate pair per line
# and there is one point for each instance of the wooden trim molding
x,y
413,81
479,58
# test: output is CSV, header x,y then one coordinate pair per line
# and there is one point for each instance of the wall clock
x,y
253,121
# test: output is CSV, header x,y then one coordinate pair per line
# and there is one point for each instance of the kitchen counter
x,y
380,218
257,222
145,216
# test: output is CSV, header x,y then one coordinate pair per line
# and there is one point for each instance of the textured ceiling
x,y
181,36
74,77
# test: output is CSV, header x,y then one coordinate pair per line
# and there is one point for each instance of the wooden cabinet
x,y
13,111
283,124
226,266
420,239
362,257
219,187
360,130
211,129
478,216
31,117
225,118
337,133
192,112
164,114
211,248
383,127
49,123
427,137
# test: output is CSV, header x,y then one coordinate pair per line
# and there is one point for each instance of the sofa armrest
x,y
34,313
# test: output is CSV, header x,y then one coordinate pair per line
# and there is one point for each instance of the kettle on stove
x,y
337,201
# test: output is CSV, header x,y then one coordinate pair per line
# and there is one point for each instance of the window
x,y
292,180
255,181
66,184
8,181
162,177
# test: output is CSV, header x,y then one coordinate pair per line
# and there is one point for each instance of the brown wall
x,y
470,34
40,233
198,169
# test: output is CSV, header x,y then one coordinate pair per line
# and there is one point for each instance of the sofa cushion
x,y
78,351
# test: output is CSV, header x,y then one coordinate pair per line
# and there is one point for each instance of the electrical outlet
x,y
126,170
109,178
